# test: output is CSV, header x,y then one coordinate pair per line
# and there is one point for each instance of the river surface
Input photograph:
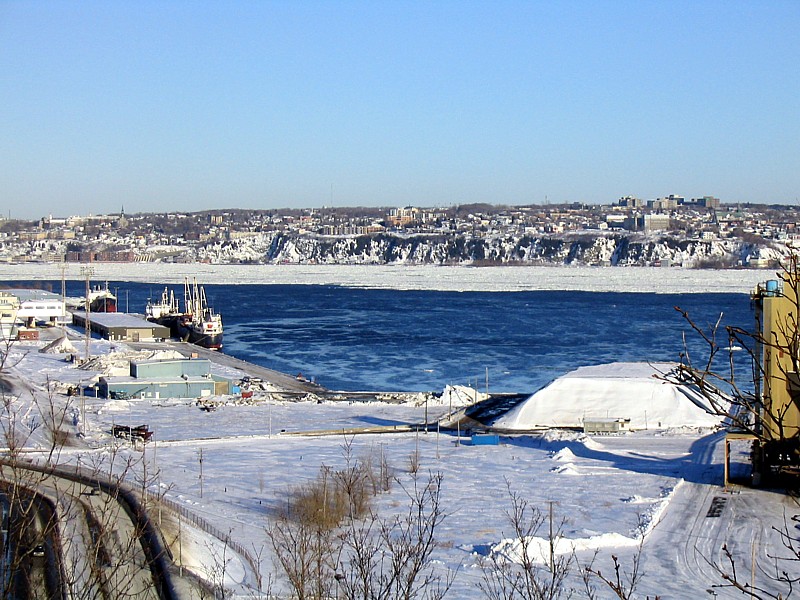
x,y
391,340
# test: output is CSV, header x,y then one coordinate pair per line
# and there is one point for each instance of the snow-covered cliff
x,y
586,248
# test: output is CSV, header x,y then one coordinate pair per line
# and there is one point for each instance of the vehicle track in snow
x,y
688,541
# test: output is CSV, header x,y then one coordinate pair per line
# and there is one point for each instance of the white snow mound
x,y
616,390
538,549
461,395
60,345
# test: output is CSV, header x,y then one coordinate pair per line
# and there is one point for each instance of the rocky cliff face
x,y
585,249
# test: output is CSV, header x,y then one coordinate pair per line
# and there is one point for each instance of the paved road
x,y
104,550
31,565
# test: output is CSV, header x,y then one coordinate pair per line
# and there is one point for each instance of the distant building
x,y
708,202
9,306
670,202
117,326
38,306
631,202
400,217
648,222
655,222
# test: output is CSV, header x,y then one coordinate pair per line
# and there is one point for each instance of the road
x,y
702,516
31,566
102,550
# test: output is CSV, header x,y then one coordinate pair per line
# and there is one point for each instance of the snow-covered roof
x,y
621,390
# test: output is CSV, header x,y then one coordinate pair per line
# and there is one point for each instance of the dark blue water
x,y
362,339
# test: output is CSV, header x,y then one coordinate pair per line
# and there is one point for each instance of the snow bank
x,y
617,390
538,548
119,363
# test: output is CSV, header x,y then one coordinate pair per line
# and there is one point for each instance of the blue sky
x,y
168,106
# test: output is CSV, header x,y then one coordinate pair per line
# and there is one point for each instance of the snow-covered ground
x,y
456,278
603,487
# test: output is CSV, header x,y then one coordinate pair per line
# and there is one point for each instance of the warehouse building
x,y
121,327
182,378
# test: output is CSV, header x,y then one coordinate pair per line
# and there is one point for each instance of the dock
x,y
283,381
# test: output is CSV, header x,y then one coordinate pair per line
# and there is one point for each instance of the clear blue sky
x,y
162,106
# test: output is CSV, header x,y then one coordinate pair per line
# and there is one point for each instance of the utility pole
x,y
552,541
201,472
63,268
87,272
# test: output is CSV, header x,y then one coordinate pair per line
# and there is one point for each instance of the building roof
x,y
116,319
27,295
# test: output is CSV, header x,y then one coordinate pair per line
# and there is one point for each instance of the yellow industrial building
x,y
776,431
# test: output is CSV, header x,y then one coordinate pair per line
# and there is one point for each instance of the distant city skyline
x,y
188,106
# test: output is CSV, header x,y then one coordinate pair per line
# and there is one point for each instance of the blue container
x,y
486,439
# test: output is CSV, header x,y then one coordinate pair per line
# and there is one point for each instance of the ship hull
x,y
103,304
192,334
180,329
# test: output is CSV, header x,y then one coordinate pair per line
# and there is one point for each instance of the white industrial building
x,y
39,306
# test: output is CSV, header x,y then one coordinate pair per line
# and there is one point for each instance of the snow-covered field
x,y
603,487
491,279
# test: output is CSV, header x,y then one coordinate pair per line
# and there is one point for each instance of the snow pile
x,y
538,548
59,346
116,364
564,455
566,469
460,395
616,391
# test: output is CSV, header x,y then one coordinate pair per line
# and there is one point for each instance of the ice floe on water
x,y
417,277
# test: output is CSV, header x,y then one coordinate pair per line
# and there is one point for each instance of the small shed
x,y
24,333
608,425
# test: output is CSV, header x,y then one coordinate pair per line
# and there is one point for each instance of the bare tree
x,y
64,536
622,582
390,558
306,553
537,575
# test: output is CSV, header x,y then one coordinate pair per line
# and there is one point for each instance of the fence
x,y
212,530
